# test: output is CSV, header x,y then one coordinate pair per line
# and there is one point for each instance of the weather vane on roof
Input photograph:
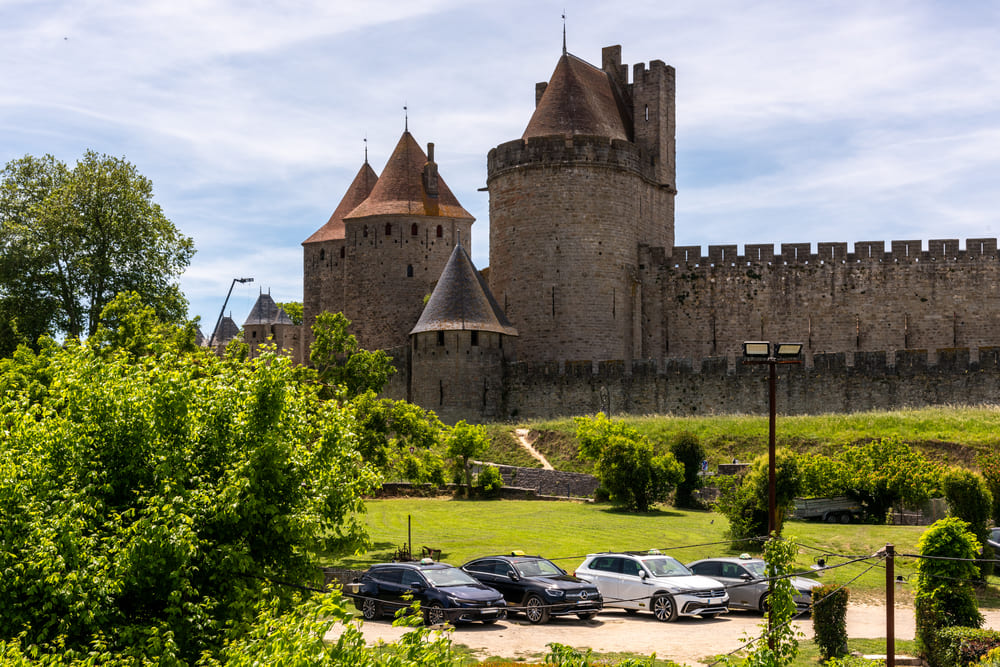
x,y
406,119
366,147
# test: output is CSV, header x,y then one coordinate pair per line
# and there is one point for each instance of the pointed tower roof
x,y
579,99
409,185
227,331
266,311
462,300
360,188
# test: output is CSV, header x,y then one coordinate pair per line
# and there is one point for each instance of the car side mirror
x,y
513,575
417,586
642,574
746,577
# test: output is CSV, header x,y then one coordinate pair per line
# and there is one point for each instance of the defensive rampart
x,y
837,383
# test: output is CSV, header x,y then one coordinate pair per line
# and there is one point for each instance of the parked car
x,y
993,541
445,592
537,587
651,581
745,579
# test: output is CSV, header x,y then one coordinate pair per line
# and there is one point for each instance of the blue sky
x,y
796,121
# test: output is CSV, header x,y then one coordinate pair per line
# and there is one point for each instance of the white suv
x,y
650,581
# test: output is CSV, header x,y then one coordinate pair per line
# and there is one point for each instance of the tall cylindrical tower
x,y
570,204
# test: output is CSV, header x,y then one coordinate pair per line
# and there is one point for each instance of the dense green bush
x,y
959,646
689,452
944,595
489,482
989,466
829,617
743,499
970,500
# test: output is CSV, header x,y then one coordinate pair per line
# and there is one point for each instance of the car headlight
x,y
455,601
555,592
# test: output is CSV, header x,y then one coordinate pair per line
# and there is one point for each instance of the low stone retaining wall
x,y
545,482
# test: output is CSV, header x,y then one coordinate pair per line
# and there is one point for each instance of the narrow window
x,y
388,229
440,231
440,338
647,113
365,232
414,229
322,254
341,252
409,270
475,338
440,392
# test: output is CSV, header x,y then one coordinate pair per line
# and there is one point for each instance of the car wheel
x,y
845,517
765,603
535,609
830,518
663,608
434,614
369,609
587,615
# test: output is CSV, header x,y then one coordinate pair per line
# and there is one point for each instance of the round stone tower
x,y
590,180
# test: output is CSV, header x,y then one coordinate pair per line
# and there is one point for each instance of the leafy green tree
x,y
464,442
71,239
989,466
888,473
343,366
151,495
970,500
293,309
629,468
688,450
399,439
823,476
744,498
944,593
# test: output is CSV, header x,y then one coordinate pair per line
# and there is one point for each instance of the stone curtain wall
x,y
697,306
829,384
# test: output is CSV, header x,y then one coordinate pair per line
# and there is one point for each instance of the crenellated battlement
x,y
939,250
561,150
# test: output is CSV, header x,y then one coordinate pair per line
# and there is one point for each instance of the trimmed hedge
x,y
829,616
958,646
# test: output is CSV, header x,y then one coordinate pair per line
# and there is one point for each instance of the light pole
x,y
762,352
211,338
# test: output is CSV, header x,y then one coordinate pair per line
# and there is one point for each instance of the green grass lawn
x,y
567,531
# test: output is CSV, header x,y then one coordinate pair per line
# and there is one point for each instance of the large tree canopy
x,y
71,239
153,494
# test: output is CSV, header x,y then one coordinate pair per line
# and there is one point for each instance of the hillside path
x,y
524,439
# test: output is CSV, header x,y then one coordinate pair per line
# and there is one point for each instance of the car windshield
x,y
665,566
451,576
756,568
537,567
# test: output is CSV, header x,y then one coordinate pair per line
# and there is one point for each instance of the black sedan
x,y
445,592
537,587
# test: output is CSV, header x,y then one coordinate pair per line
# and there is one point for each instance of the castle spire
x,y
564,31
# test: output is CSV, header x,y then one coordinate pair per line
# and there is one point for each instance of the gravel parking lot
x,y
686,640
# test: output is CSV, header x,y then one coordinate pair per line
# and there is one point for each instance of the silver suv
x,y
650,581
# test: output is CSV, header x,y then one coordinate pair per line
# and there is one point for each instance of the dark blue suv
x,y
446,593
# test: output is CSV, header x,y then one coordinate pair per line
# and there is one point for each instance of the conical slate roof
x,y
266,311
462,300
401,190
360,188
579,99
227,331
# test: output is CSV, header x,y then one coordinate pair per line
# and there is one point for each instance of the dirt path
x,y
522,435
687,640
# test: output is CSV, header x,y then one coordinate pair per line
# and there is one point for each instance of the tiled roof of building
x,y
462,300
579,99
226,332
402,190
266,311
360,188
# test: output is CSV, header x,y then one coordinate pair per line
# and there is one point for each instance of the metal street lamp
x,y
763,352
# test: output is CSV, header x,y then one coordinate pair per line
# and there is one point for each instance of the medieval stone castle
x,y
587,303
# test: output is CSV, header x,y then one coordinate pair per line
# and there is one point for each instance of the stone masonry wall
x,y
545,482
697,306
